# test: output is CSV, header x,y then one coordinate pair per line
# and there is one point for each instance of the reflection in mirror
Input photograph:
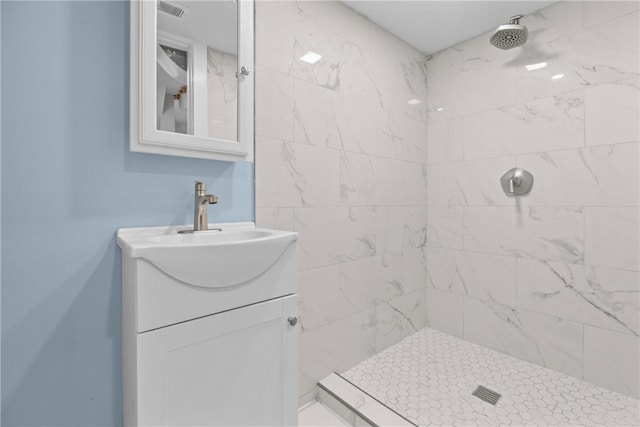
x,y
192,78
197,61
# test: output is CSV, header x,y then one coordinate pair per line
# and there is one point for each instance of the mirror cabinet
x,y
192,78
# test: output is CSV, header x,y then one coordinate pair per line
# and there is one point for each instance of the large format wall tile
x,y
372,281
330,119
389,183
542,233
400,317
478,182
390,231
444,63
600,54
482,276
592,295
335,347
320,301
444,227
560,19
274,104
612,237
274,43
545,340
549,123
414,222
472,91
613,111
611,360
446,139
333,235
296,174
398,79
584,177
442,186
334,49
414,185
409,135
488,134
596,12
400,229
356,80
278,218
357,179
339,19
445,312
413,269
315,121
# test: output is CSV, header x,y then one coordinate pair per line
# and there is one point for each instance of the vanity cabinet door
x,y
236,368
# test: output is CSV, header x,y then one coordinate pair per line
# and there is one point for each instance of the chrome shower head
x,y
510,35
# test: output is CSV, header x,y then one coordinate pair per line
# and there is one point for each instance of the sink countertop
x,y
237,254
135,242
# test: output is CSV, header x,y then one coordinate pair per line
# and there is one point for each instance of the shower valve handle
x,y
516,182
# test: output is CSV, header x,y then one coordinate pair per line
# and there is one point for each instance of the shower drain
x,y
487,395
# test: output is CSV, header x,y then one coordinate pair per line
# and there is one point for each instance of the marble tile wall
x,y
222,102
552,277
341,159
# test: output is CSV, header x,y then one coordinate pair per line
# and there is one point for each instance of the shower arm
x,y
515,20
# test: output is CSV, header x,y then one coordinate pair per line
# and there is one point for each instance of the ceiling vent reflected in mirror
x,y
173,9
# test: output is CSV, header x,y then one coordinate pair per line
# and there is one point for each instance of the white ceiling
x,y
431,26
214,23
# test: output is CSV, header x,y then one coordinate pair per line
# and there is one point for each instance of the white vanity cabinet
x,y
209,355
229,369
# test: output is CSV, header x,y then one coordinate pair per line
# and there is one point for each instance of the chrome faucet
x,y
201,201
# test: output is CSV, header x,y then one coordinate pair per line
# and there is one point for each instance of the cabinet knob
x,y
293,321
244,70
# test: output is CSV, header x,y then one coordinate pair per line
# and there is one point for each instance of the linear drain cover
x,y
487,395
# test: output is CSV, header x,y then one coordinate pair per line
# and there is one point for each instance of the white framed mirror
x,y
192,78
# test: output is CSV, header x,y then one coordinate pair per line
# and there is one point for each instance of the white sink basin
x,y
211,259
211,237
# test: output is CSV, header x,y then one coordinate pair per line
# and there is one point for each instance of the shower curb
x,y
343,396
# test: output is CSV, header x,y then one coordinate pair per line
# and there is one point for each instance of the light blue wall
x,y
0,216
68,183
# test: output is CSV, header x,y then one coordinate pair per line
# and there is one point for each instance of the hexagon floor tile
x,y
429,377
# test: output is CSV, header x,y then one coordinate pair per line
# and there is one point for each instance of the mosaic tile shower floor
x,y
429,377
